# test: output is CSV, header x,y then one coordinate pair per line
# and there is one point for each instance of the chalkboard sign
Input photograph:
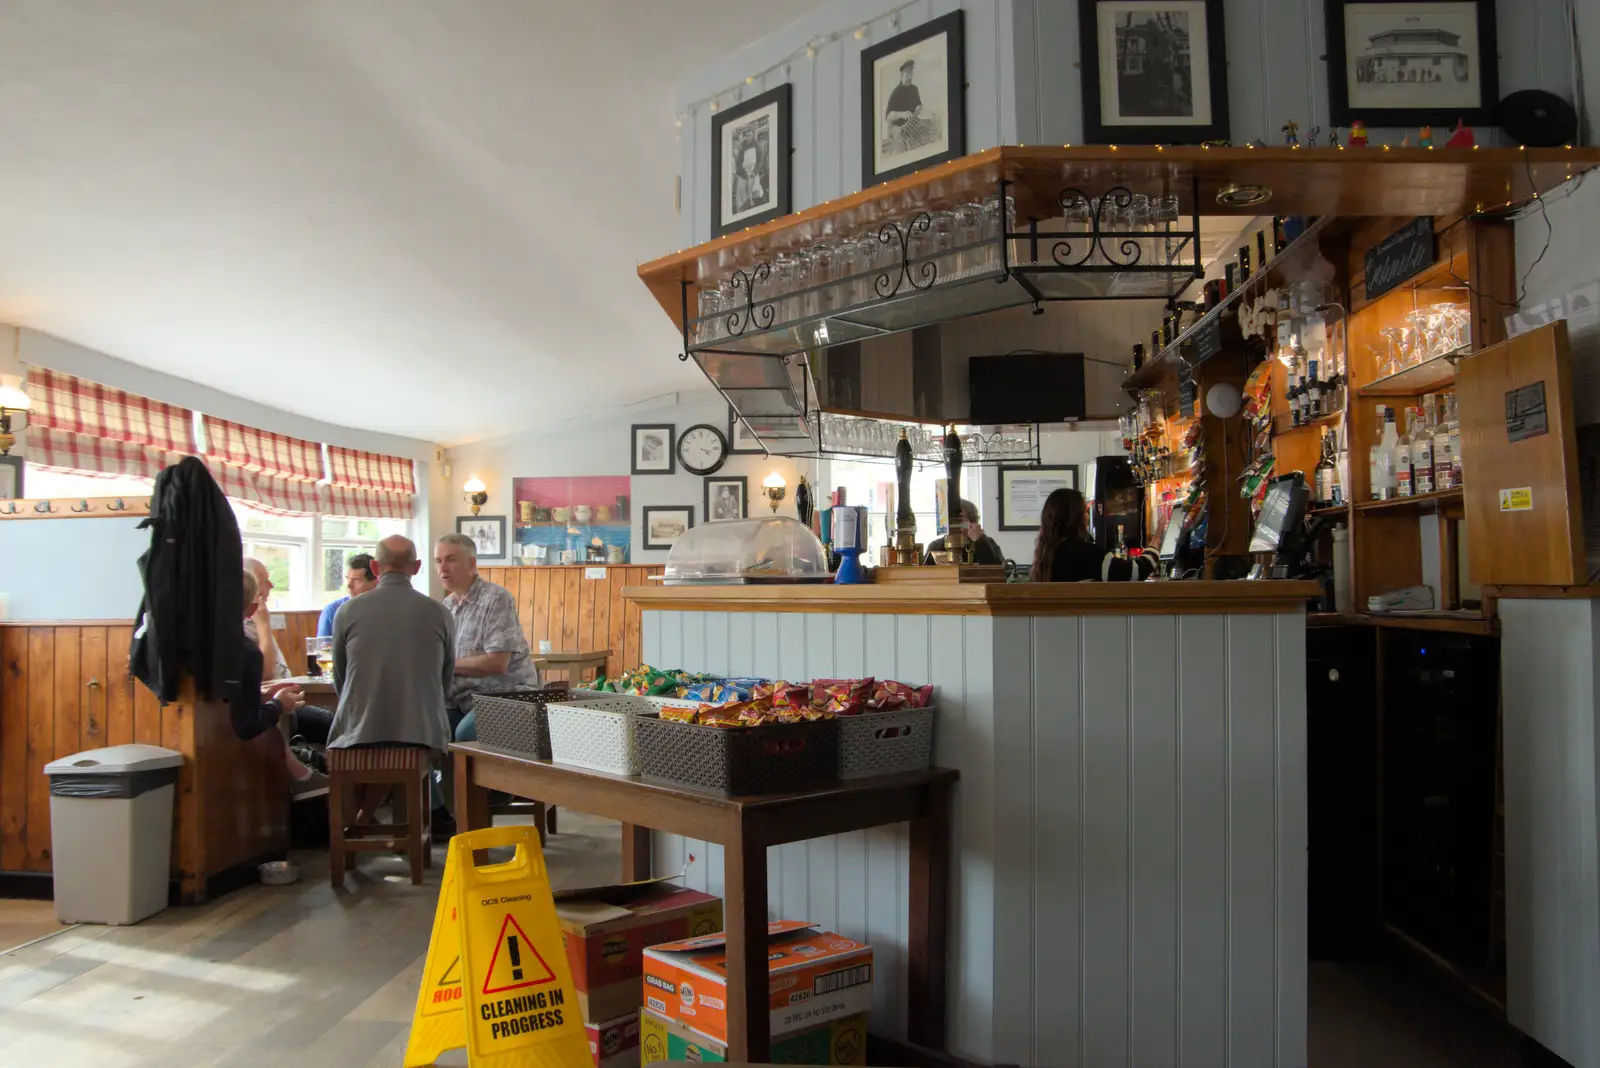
x,y
1406,252
1206,341
1186,394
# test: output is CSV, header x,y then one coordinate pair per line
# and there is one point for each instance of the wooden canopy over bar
x,y
1304,181
990,599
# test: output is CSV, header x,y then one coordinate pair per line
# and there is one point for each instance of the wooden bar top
x,y
988,599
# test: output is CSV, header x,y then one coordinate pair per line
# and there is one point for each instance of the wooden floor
x,y
22,922
293,975
299,976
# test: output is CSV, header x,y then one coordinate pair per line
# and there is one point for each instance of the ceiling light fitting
x,y
1233,195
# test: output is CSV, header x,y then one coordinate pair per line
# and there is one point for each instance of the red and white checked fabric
x,y
370,470
262,451
280,495
369,504
78,425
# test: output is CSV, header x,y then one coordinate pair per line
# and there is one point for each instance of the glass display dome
x,y
772,549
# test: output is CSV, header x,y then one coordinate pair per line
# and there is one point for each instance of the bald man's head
x,y
258,570
396,553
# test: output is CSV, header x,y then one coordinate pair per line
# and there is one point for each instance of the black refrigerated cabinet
x,y
1118,503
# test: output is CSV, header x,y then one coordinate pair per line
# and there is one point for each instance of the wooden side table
x,y
745,827
574,664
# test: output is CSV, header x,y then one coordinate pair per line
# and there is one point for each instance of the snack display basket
x,y
885,743
517,721
739,761
598,732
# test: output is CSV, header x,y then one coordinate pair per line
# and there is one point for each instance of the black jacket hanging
x,y
192,612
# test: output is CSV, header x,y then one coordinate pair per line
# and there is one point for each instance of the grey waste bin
x,y
111,832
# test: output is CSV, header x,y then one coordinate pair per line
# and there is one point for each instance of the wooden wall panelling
x,y
291,637
41,745
564,606
14,706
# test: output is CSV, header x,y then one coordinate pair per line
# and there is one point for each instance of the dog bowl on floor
x,y
279,872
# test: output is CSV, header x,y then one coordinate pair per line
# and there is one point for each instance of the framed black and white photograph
x,y
750,162
11,478
653,453
488,534
665,524
727,497
1412,62
741,439
1023,491
913,100
1154,71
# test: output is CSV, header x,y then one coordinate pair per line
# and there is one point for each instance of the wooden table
x,y
745,827
573,663
313,685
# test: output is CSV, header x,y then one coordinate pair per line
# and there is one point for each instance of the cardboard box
x,y
615,1043
841,1041
815,977
605,930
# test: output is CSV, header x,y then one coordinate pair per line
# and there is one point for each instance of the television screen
x,y
1026,387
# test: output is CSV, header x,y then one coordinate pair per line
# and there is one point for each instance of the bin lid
x,y
115,760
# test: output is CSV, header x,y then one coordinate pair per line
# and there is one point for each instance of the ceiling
x,y
405,216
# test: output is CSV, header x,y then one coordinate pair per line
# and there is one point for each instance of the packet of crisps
x,y
700,691
679,715
891,696
842,697
795,695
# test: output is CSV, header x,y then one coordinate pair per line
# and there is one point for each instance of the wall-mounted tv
x,y
1026,387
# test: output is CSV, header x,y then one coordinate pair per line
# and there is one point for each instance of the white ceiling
x,y
410,216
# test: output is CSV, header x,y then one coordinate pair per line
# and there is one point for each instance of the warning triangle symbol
x,y
451,975
516,961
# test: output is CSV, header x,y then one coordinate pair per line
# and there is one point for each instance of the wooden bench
x,y
360,778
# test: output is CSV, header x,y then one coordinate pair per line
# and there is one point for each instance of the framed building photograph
x,y
1154,71
653,453
488,534
11,478
1023,491
665,524
727,497
750,162
913,100
1412,62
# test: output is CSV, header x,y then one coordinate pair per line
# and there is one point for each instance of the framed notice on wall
x,y
1023,491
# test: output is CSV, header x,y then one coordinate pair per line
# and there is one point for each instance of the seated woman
x,y
1065,552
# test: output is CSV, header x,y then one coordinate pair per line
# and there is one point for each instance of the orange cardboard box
x,y
605,930
815,976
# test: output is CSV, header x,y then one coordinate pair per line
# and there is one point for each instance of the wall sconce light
x,y
774,488
475,493
12,399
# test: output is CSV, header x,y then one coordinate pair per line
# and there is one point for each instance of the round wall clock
x,y
702,449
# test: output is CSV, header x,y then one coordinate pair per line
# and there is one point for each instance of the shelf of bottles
x,y
1158,448
1418,454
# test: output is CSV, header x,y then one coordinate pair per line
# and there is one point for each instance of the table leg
x,y
745,908
635,852
472,801
929,897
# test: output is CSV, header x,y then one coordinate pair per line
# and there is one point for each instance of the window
x,y
872,484
305,557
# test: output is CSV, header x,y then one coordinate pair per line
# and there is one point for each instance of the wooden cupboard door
x,y
1519,458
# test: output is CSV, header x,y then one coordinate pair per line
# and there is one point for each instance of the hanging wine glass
x,y
1392,358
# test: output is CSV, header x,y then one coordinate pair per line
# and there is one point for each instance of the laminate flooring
x,y
300,976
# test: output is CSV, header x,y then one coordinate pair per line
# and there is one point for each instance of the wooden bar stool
x,y
405,772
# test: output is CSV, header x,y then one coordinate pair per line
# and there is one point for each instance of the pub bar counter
x,y
1129,846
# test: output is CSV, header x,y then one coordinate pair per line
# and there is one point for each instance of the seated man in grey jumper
x,y
393,658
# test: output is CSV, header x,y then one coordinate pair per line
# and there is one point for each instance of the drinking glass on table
x,y
320,650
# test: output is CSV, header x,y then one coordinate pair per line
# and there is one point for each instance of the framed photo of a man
x,y
653,453
725,498
750,162
913,100
488,534
1154,71
1412,62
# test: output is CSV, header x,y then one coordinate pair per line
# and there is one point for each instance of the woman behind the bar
x,y
1066,553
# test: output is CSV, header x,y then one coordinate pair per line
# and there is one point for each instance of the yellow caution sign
x,y
497,979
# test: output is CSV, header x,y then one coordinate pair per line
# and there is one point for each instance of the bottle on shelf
x,y
1444,475
1138,356
1326,473
1405,485
1341,467
1386,487
1422,448
1314,396
1457,476
1295,394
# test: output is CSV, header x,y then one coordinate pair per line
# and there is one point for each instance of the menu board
x,y
1023,491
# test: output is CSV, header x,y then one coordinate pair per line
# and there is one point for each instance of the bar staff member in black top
x,y
1066,553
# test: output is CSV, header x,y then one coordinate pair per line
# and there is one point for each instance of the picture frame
x,y
11,482
727,497
662,525
1024,488
913,100
1412,62
1145,79
751,160
654,449
741,440
488,533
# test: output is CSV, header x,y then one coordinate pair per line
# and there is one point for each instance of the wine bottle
x,y
1326,474
1404,484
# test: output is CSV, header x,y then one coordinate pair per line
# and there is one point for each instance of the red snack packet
x,y
796,695
891,696
842,697
674,714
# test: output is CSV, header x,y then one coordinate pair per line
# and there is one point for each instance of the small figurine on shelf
x,y
1358,134
1405,142
1425,137
1461,137
1291,133
1333,137
1311,138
